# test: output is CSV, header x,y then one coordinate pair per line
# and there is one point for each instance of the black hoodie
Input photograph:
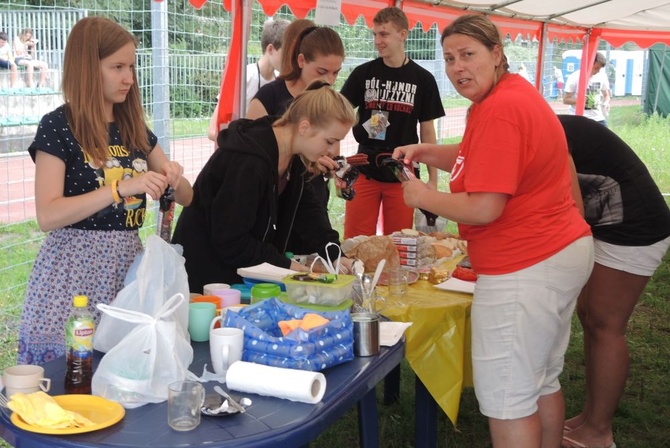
x,y
237,217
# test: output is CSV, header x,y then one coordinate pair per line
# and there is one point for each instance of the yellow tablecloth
x,y
438,342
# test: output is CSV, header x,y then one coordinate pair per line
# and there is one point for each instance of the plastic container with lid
x,y
301,292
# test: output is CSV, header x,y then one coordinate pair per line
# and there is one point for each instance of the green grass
x,y
189,128
641,420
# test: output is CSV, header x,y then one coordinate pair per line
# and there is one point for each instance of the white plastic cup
x,y
25,379
225,347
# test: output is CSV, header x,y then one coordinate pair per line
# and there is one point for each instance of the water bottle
x,y
79,331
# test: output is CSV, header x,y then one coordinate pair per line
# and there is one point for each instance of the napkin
x,y
39,409
454,284
391,332
309,321
291,384
265,271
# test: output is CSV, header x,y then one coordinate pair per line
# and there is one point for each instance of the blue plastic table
x,y
268,422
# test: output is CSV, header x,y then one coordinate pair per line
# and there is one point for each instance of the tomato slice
x,y
464,274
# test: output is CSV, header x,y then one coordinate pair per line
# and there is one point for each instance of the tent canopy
x,y
644,22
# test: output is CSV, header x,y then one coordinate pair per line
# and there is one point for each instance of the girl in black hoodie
x,y
253,192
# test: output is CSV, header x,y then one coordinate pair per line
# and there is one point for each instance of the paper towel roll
x,y
290,384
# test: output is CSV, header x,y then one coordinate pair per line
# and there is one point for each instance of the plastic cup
x,y
25,379
245,292
200,315
209,288
216,300
262,291
228,297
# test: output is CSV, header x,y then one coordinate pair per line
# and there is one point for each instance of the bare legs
x,y
604,307
13,75
543,429
30,65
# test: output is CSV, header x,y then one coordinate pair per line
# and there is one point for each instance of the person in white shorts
x,y
630,221
510,191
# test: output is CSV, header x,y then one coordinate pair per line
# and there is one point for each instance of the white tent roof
x,y
644,22
615,14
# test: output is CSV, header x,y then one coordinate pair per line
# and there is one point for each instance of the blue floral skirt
x,y
71,262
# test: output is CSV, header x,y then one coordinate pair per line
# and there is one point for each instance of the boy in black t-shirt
x,y
393,94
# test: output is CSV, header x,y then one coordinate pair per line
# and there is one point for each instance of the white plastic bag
x,y
328,263
140,367
160,274
421,223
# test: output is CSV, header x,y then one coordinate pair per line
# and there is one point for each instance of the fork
x,y
3,400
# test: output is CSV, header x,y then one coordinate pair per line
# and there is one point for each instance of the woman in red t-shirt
x,y
531,248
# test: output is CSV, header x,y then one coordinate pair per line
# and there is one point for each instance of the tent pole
x,y
539,71
246,31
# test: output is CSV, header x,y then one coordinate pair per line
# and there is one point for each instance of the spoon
x,y
378,273
358,269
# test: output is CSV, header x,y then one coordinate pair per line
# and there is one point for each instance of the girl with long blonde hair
x,y
96,161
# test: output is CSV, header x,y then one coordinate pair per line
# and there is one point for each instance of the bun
x,y
442,251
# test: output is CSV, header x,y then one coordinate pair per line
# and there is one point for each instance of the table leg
x,y
392,386
368,422
425,417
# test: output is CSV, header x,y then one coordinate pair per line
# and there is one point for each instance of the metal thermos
x,y
366,334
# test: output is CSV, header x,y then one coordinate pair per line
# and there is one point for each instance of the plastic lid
x,y
80,301
265,291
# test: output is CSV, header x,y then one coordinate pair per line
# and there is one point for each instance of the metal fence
x,y
50,28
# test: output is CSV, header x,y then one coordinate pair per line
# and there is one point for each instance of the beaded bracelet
x,y
115,192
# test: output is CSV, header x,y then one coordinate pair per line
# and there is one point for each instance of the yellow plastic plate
x,y
102,412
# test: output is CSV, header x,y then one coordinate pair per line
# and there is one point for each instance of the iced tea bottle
x,y
79,331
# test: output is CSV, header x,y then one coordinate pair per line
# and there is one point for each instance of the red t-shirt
x,y
514,144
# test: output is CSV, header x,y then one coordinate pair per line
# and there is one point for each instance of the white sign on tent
x,y
328,12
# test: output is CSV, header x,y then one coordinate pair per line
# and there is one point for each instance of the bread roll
x,y
442,251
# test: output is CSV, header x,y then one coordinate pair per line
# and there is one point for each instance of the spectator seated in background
x,y
7,60
24,54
